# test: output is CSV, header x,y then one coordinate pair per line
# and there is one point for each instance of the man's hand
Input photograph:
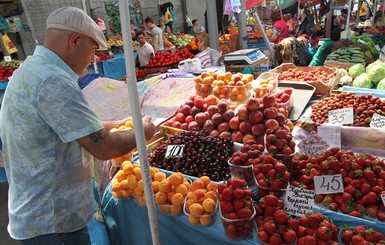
x,y
149,127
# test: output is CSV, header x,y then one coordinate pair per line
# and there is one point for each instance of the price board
x,y
377,121
341,116
299,202
313,145
174,151
328,184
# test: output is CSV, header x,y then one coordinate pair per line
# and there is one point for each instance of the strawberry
x,y
238,204
281,229
232,215
358,240
347,235
377,189
365,188
381,216
280,168
248,193
318,198
301,231
347,197
290,236
360,229
303,221
271,200
293,224
272,174
221,187
369,174
324,233
270,210
275,239
263,236
307,240
311,232
226,207
314,219
269,227
238,193
372,210
370,198
244,213
238,183
280,216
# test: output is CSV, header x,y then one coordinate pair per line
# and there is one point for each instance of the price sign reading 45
x,y
174,151
341,116
328,184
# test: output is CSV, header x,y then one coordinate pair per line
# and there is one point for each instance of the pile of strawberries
x,y
275,226
363,178
270,174
361,235
236,208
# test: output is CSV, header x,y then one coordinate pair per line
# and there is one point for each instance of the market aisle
x,y
5,238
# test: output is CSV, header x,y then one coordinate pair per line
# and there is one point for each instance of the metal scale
x,y
244,57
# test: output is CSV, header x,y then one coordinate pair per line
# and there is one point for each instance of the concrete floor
x,y
5,239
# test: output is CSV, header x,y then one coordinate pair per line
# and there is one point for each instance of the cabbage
x,y
356,70
376,72
346,79
381,84
362,81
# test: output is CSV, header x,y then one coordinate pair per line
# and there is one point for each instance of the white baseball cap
x,y
76,20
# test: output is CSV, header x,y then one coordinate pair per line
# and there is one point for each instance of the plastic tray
x,y
302,94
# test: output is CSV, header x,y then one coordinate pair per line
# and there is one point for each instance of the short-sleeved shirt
x,y
144,53
43,114
157,31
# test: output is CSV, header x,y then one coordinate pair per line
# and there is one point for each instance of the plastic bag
x,y
168,16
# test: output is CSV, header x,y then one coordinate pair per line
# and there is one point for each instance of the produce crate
x,y
337,64
321,87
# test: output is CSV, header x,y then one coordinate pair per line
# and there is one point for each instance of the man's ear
x,y
74,39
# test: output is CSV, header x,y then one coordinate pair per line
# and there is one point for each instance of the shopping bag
x,y
168,16
8,44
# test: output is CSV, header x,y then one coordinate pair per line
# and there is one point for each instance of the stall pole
x,y
84,5
374,11
329,22
29,21
242,22
265,38
212,24
347,27
137,120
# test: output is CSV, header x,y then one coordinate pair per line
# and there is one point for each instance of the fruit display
x,y
128,181
364,106
180,40
248,152
102,56
169,58
298,74
349,55
236,208
5,73
171,194
233,87
279,141
201,201
13,64
266,83
284,98
204,155
114,41
363,180
316,227
128,125
360,235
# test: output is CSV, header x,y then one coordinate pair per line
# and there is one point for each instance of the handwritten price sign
x,y
313,145
174,151
328,184
299,202
377,121
341,116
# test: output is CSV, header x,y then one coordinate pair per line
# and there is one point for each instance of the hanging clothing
x,y
232,6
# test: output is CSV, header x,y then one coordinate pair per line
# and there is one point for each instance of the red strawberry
x,y
271,200
270,210
370,198
281,229
263,236
372,210
358,240
365,188
311,232
238,193
232,215
280,168
346,197
360,229
290,236
227,194
269,227
275,239
347,235
238,183
307,240
293,224
248,193
226,207
381,216
369,174
238,204
221,187
303,221
244,213
280,216
301,231
314,220
324,233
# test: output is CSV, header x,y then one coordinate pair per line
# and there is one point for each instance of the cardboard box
x,y
253,31
323,87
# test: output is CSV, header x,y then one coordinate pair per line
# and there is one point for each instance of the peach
x,y
245,127
243,114
225,135
258,129
212,109
248,137
271,123
234,123
256,117
199,195
212,195
209,125
214,132
223,105
217,118
193,126
223,127
228,115
237,136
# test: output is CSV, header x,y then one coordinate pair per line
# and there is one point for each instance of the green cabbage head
x,y
362,81
356,70
376,72
381,84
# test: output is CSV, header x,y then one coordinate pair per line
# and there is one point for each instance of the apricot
x,y
181,188
209,205
120,175
199,195
212,186
193,219
205,219
124,184
128,168
175,209
212,195
175,179
177,199
188,204
155,186
161,198
126,193
169,196
196,209
159,176
197,184
206,180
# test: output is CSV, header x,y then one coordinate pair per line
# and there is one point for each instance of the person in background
x,y
196,29
157,35
132,29
207,56
280,29
326,48
46,123
145,50
162,25
292,24
379,12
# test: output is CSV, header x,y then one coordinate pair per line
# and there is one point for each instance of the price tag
x,y
7,58
328,184
174,151
341,116
313,145
377,121
299,202
383,198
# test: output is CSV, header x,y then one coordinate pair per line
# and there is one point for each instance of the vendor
x,y
145,50
207,56
326,48
280,29
157,34
196,29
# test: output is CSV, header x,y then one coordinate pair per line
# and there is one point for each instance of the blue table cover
x,y
114,68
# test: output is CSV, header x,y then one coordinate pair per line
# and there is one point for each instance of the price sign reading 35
x,y
341,116
174,151
328,184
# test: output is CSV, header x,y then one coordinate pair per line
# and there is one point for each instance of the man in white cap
x,y
45,123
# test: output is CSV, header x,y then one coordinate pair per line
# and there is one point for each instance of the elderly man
x,y
45,124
